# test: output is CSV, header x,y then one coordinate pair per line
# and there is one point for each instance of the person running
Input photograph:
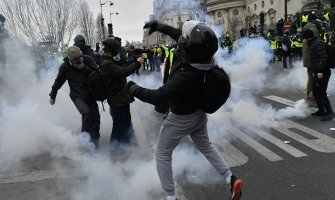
x,y
197,43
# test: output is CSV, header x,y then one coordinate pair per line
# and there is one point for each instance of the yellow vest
x,y
273,44
298,43
304,18
171,59
326,16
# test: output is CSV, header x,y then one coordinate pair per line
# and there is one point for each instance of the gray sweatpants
x,y
173,129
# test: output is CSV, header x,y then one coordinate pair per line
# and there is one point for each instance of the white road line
x,y
268,154
231,154
322,143
284,101
279,143
40,175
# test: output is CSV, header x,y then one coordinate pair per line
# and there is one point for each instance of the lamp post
x,y
110,15
102,18
285,16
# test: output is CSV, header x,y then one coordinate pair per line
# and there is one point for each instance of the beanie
x,y
111,45
73,53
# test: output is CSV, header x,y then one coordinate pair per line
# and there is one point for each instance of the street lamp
x,y
110,15
102,18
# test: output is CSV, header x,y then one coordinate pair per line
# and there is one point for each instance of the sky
x,y
128,24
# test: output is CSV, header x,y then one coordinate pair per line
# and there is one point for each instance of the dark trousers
x,y
320,92
90,117
285,60
122,126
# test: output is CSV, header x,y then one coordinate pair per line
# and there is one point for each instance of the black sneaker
x,y
236,186
327,117
318,113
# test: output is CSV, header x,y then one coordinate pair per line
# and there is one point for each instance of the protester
x,y
115,79
80,42
75,70
286,50
315,27
197,43
320,73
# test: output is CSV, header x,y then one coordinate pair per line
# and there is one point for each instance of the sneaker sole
x,y
238,186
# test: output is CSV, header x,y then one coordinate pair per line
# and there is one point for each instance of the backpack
x,y
284,47
215,90
331,56
96,85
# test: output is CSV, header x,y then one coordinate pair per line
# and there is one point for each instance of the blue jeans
x,y
122,131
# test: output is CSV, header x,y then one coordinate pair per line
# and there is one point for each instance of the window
x,y
271,1
248,9
219,14
235,12
179,18
255,7
263,4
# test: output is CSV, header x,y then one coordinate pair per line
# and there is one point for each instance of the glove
x,y
153,25
52,101
131,86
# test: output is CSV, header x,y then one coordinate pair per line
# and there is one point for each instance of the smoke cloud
x,y
30,126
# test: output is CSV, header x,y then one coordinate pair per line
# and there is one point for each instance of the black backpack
x,y
216,89
96,85
331,56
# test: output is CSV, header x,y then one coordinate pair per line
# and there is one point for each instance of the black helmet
x,y
79,40
2,18
198,42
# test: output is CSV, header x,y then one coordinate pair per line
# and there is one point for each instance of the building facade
x,y
237,14
173,13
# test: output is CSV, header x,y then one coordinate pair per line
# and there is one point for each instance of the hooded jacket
x,y
77,79
306,54
115,79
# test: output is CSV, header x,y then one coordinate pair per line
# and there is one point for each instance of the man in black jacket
x,y
80,42
197,44
115,79
320,73
75,70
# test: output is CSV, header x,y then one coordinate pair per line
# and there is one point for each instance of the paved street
x,y
291,160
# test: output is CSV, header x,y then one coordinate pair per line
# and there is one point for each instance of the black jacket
x,y
76,78
318,56
115,79
182,91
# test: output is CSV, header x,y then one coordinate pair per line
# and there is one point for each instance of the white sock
x,y
170,198
228,179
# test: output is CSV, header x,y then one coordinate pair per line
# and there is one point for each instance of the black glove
x,y
153,25
131,87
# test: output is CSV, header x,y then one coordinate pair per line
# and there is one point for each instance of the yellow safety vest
x,y
171,59
304,18
273,44
145,55
326,16
298,43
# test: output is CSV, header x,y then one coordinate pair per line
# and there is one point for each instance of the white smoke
x,y
30,126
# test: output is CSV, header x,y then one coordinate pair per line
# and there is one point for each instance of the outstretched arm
x,y
163,28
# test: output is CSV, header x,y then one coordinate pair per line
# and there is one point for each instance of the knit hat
x,y
111,45
73,53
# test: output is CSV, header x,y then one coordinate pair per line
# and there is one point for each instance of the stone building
x,y
237,14
173,13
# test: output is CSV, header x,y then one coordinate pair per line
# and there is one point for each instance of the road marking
x,y
40,175
268,154
230,153
322,143
279,143
285,101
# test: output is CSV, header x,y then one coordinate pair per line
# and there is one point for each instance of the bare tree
x,y
86,22
48,21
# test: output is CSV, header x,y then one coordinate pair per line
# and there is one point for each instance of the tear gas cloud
x,y
29,126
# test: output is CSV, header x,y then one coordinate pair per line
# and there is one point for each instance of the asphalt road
x,y
293,160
